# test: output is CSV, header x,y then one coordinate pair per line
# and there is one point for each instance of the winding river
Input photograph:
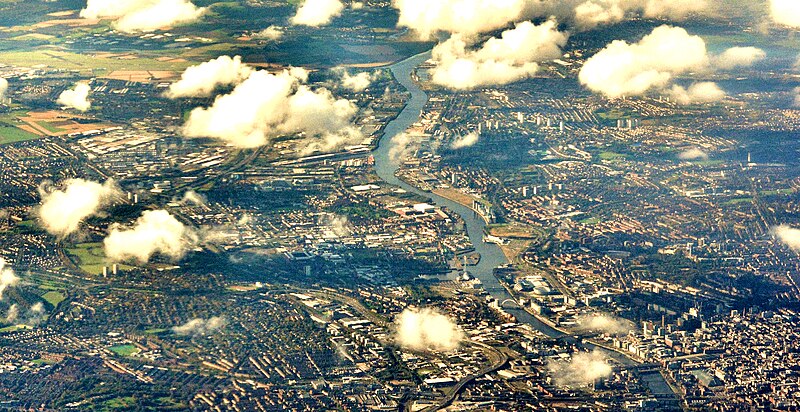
x,y
385,166
491,255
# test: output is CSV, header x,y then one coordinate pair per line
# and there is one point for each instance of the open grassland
x,y
53,297
124,350
11,134
91,258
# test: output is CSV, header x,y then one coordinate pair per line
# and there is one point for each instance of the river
x,y
385,167
491,255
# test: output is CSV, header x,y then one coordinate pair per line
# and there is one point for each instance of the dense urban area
x,y
419,245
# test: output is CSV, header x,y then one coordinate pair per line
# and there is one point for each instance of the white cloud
x,y
338,225
702,92
202,79
133,16
674,9
788,235
271,33
356,83
600,322
156,231
13,313
624,69
467,140
76,98
199,326
35,314
594,13
693,153
7,277
739,57
194,198
268,105
3,87
470,17
317,13
427,330
785,12
591,13
467,17
511,57
402,144
582,369
63,210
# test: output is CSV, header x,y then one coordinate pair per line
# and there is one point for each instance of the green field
x,y
126,403
614,114
11,134
739,201
591,221
91,258
612,156
53,297
49,127
777,192
124,350
14,328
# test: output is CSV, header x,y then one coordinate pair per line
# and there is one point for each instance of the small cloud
x,y
194,198
427,330
245,219
271,33
156,231
202,79
500,60
703,92
63,210
600,322
468,17
35,314
356,83
581,370
592,13
796,100
76,98
200,327
402,144
132,16
739,57
467,140
13,313
633,69
788,235
693,153
317,13
7,277
338,225
268,105
785,12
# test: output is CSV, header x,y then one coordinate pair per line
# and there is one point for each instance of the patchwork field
x,y
57,123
